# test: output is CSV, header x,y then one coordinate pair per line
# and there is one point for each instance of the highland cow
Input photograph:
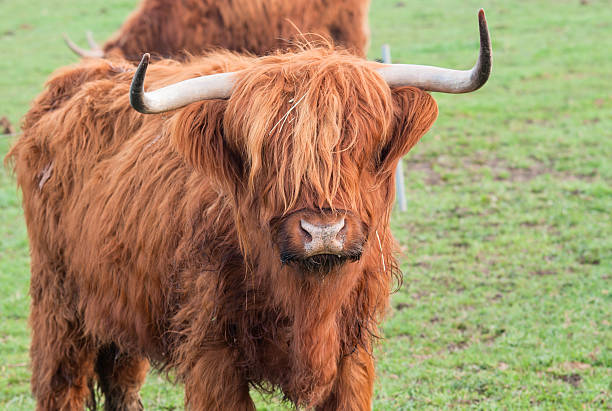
x,y
168,28
239,237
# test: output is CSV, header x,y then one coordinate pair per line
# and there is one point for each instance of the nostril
x,y
340,232
342,226
305,232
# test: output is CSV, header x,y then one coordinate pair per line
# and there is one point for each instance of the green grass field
x,y
507,244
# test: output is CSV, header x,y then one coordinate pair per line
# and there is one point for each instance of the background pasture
x,y
507,242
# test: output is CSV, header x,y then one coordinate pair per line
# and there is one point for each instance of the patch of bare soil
x,y
589,259
464,401
568,372
458,346
496,297
572,379
425,167
499,168
490,339
403,306
541,273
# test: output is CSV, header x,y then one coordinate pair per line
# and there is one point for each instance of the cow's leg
x,y
120,377
214,383
354,385
62,358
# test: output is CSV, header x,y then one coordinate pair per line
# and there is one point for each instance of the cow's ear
x,y
197,134
414,113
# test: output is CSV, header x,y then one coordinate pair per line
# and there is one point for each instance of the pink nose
x,y
323,239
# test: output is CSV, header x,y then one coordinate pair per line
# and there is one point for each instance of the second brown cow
x,y
168,28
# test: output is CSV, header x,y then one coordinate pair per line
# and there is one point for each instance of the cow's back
x,y
107,200
62,140
254,26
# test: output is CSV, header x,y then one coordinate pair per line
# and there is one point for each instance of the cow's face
x,y
307,148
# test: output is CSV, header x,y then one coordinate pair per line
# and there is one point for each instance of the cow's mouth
x,y
321,264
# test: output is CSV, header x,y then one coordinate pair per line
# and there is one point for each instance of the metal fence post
x,y
399,171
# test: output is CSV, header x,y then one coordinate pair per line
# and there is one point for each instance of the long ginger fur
x,y
151,234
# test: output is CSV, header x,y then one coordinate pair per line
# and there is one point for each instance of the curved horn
x,y
442,79
90,40
81,52
214,86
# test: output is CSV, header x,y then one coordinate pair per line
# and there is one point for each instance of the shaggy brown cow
x,y
172,28
240,242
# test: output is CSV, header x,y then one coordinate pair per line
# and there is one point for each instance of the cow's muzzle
x,y
319,241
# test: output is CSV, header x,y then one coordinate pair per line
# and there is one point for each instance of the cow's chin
x,y
320,265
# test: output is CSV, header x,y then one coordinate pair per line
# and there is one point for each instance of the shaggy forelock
x,y
307,126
